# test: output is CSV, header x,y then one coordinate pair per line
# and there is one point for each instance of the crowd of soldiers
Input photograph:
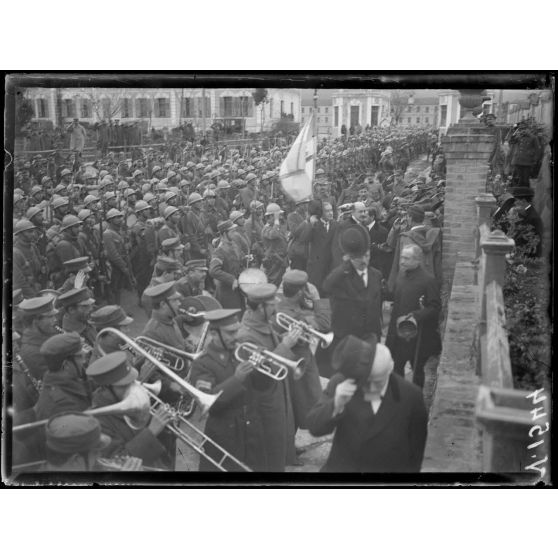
x,y
180,230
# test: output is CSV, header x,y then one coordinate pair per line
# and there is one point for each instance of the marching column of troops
x,y
214,250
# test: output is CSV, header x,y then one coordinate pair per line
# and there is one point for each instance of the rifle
x,y
102,275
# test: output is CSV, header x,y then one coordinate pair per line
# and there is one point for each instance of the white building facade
x,y
449,110
364,107
165,107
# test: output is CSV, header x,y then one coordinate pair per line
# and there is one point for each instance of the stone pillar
x,y
486,204
467,147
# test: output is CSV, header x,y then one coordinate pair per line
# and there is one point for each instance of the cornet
x,y
308,333
169,356
266,362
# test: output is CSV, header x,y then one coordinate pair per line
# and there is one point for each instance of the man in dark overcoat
x,y
379,419
417,296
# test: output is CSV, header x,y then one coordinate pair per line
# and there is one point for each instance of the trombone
x,y
308,333
176,427
205,400
169,356
266,362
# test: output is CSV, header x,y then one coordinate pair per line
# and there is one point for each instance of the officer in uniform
x,y
67,247
113,375
39,324
253,227
77,305
117,254
76,273
108,316
274,237
143,251
65,387
170,228
274,402
233,422
27,260
225,267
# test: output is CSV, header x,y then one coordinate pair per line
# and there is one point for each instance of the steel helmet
x,y
141,205
23,225
170,210
194,197
69,221
273,208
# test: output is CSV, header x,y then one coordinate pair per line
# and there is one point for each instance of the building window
x,y
292,109
326,110
326,120
418,109
427,120
42,108
443,115
408,120
143,108
302,109
271,108
426,109
126,108
408,108
234,107
282,108
318,119
68,108
162,108
418,120
86,108
336,116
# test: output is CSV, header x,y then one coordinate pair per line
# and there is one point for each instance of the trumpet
x,y
267,362
204,399
308,334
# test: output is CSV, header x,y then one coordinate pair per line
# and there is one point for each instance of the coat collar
x,y
390,405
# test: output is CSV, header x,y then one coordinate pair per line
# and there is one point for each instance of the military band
x,y
253,354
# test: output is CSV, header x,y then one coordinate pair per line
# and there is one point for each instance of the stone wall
x,y
467,148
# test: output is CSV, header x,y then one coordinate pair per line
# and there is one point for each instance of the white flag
x,y
297,170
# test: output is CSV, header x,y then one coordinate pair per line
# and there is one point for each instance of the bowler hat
x,y
355,241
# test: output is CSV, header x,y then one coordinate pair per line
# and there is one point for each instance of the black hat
x,y
75,296
416,212
112,370
355,241
223,317
58,348
109,316
354,357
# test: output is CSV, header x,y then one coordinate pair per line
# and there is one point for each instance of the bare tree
x,y
104,110
399,102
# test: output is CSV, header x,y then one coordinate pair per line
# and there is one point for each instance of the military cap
x,y
112,213
164,291
137,172
522,192
195,264
62,345
251,176
69,221
156,168
295,277
65,172
109,196
406,327
262,292
44,181
355,241
112,370
77,263
75,296
36,189
170,210
129,192
23,225
60,188
71,432
172,244
33,211
164,263
107,180
184,183
223,185
235,215
273,208
59,201
208,193
109,316
224,317
90,198
170,174
141,205
224,226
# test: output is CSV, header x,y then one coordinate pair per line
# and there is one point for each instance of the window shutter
x,y
222,112
236,110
